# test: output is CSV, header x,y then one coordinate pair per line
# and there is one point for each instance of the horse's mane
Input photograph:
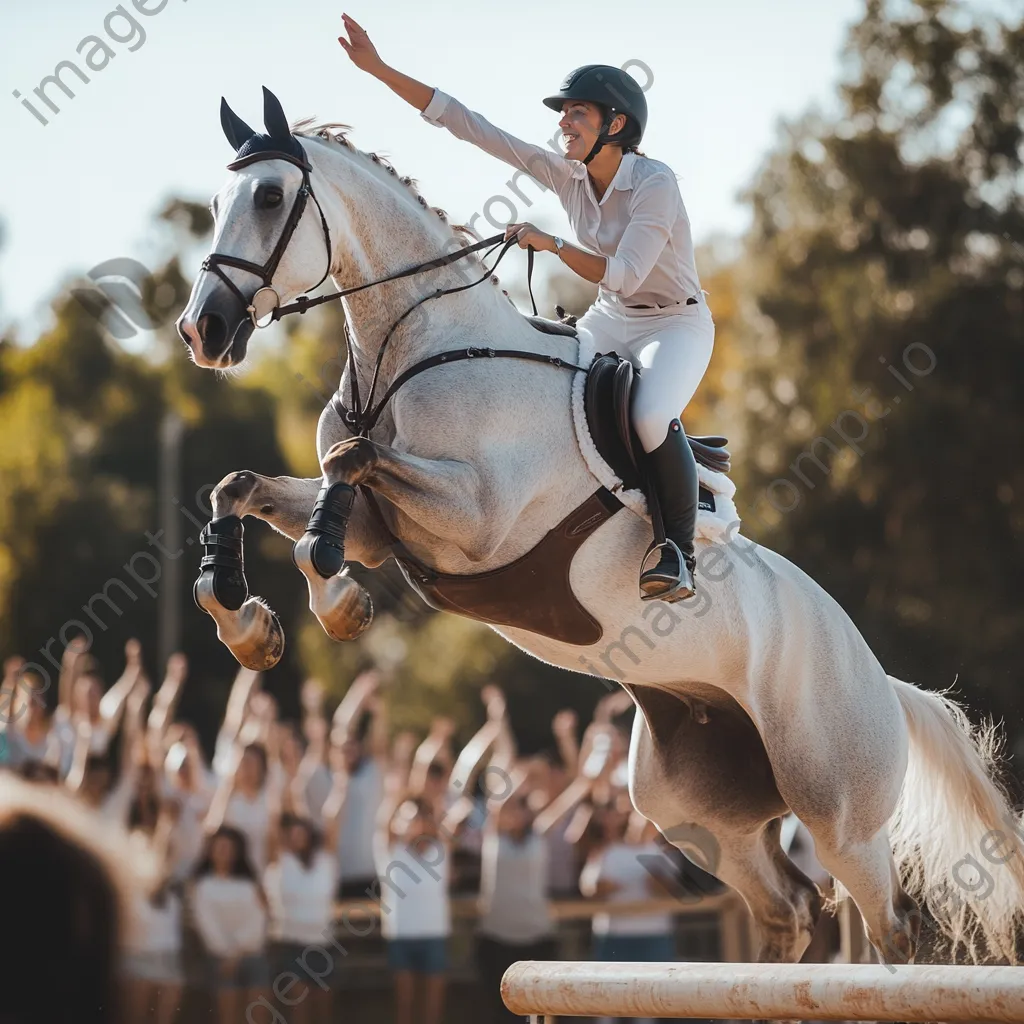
x,y
337,133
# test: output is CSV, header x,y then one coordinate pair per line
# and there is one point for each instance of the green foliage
x,y
880,244
879,236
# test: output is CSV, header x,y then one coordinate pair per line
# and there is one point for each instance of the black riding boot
x,y
673,473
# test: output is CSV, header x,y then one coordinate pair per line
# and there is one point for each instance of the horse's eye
x,y
268,197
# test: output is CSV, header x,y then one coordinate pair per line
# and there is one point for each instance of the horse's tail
x,y
958,843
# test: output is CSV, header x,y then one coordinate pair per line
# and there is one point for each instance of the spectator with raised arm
x,y
313,780
300,882
83,708
152,964
26,727
359,733
189,785
92,775
414,867
621,870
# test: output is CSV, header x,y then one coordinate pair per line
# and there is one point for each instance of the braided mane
x,y
337,133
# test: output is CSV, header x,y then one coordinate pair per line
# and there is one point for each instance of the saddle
x,y
607,399
534,593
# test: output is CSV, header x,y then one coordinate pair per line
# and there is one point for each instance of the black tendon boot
x,y
674,477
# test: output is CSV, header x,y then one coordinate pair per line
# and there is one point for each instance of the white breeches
x,y
672,350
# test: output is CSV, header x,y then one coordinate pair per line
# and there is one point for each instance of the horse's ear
x,y
273,116
236,130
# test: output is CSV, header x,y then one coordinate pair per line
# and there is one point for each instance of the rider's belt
x,y
691,301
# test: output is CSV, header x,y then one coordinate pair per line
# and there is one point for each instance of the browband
x,y
252,158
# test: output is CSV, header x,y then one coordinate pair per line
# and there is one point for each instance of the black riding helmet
x,y
612,90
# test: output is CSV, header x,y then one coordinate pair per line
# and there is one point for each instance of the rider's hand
x,y
359,48
527,235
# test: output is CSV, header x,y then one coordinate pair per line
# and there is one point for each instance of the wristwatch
x,y
558,245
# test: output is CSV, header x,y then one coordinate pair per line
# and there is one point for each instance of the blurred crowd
x,y
258,867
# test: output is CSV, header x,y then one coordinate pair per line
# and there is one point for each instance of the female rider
x,y
627,211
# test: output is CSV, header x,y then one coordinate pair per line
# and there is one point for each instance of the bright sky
x,y
83,188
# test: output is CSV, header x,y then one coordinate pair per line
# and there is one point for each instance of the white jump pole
x,y
851,992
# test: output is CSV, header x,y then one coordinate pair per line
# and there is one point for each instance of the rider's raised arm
x,y
549,168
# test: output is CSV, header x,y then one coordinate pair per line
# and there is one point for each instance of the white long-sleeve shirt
x,y
229,915
639,224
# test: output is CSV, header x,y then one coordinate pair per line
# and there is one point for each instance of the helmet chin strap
x,y
602,137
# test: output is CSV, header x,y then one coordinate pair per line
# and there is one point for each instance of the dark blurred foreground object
x,y
62,910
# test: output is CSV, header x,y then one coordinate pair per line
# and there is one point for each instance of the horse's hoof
x,y
254,636
342,606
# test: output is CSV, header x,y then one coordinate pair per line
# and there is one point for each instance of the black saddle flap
x,y
608,398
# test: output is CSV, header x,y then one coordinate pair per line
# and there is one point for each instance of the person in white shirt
x,y
360,744
637,246
515,919
628,867
229,911
300,882
189,785
243,799
152,962
414,869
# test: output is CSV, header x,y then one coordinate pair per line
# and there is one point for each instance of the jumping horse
x,y
481,453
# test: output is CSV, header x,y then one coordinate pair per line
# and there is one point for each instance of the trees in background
x,y
867,368
885,372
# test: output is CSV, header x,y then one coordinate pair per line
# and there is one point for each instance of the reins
x,y
362,417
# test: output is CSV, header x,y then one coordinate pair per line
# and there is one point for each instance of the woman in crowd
x,y
413,865
92,777
251,776
522,819
152,963
25,723
83,707
627,867
188,784
229,911
359,732
300,882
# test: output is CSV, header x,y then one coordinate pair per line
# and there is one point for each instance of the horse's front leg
x,y
246,625
442,497
448,500
286,503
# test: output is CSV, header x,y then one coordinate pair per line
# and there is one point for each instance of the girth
x,y
531,593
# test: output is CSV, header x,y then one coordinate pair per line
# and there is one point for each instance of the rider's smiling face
x,y
580,123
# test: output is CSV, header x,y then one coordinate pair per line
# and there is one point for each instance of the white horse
x,y
473,463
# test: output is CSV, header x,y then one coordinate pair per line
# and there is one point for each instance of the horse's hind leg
x,y
711,779
868,871
840,769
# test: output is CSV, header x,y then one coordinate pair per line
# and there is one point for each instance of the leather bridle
x,y
361,417
265,272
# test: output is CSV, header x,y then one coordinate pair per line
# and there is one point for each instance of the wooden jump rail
x,y
850,992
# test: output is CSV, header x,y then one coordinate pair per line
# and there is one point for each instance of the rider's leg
x,y
673,357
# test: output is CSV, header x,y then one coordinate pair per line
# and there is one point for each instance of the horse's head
x,y
270,244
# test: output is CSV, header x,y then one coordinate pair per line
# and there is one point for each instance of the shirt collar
x,y
623,178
